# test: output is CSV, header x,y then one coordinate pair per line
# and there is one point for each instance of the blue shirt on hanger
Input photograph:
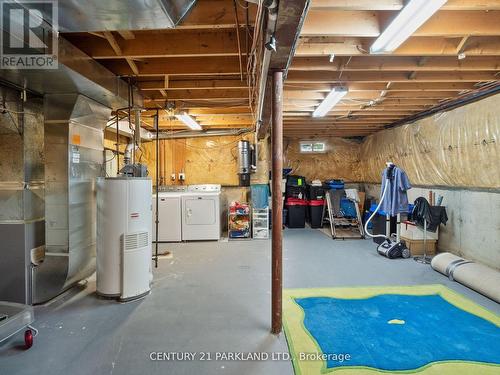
x,y
396,199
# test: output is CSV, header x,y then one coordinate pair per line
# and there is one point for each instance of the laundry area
x,y
250,187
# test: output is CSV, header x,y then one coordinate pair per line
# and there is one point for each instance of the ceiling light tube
x,y
189,121
330,101
409,19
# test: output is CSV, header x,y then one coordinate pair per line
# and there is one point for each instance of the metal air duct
x,y
111,15
77,73
74,126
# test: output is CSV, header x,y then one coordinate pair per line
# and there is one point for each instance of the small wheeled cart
x,y
14,318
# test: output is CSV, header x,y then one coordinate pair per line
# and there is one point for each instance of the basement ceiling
x,y
422,73
199,65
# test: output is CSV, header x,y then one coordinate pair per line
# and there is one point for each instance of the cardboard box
x,y
417,246
411,231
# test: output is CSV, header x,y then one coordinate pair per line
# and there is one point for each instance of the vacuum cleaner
x,y
391,247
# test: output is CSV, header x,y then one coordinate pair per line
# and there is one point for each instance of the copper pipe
x,y
277,200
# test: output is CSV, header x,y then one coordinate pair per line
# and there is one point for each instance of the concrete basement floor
x,y
209,297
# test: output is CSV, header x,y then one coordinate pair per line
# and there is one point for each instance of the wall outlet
x,y
172,176
182,176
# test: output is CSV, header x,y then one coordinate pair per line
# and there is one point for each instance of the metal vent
x,y
134,241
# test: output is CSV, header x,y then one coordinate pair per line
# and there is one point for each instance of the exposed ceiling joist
x,y
164,43
414,46
369,24
390,63
370,76
215,84
398,4
373,94
379,86
201,94
228,65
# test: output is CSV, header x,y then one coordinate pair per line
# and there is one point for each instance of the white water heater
x,y
124,228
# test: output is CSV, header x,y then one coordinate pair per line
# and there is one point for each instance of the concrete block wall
x,y
473,228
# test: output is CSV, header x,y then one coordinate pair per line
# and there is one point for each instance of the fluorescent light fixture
x,y
330,101
189,121
409,19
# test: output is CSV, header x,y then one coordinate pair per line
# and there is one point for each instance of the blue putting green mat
x,y
428,329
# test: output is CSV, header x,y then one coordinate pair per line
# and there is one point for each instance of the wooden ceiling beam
x,y
168,122
178,66
392,63
315,95
396,86
214,84
414,46
369,24
357,113
126,34
195,111
201,105
341,23
361,103
305,126
354,107
297,76
200,94
398,5
327,133
346,121
165,43
118,51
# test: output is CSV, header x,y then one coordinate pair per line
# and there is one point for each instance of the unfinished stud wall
x,y
340,161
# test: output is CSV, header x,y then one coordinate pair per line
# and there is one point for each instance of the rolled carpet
x,y
481,278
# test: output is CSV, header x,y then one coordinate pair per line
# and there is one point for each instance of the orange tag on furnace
x,y
75,139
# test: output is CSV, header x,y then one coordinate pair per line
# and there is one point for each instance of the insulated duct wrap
x,y
478,277
459,148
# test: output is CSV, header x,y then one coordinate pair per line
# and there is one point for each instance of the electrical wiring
x,y
344,66
4,109
214,147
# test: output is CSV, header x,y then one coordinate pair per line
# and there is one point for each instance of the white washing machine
x,y
201,213
169,214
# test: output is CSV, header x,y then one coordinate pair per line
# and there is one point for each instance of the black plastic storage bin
x,y
293,180
295,187
296,213
315,192
297,192
316,213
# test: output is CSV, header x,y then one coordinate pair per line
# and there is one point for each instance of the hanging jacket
x,y
434,215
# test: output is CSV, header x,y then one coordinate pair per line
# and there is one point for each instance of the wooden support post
x,y
277,199
157,154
